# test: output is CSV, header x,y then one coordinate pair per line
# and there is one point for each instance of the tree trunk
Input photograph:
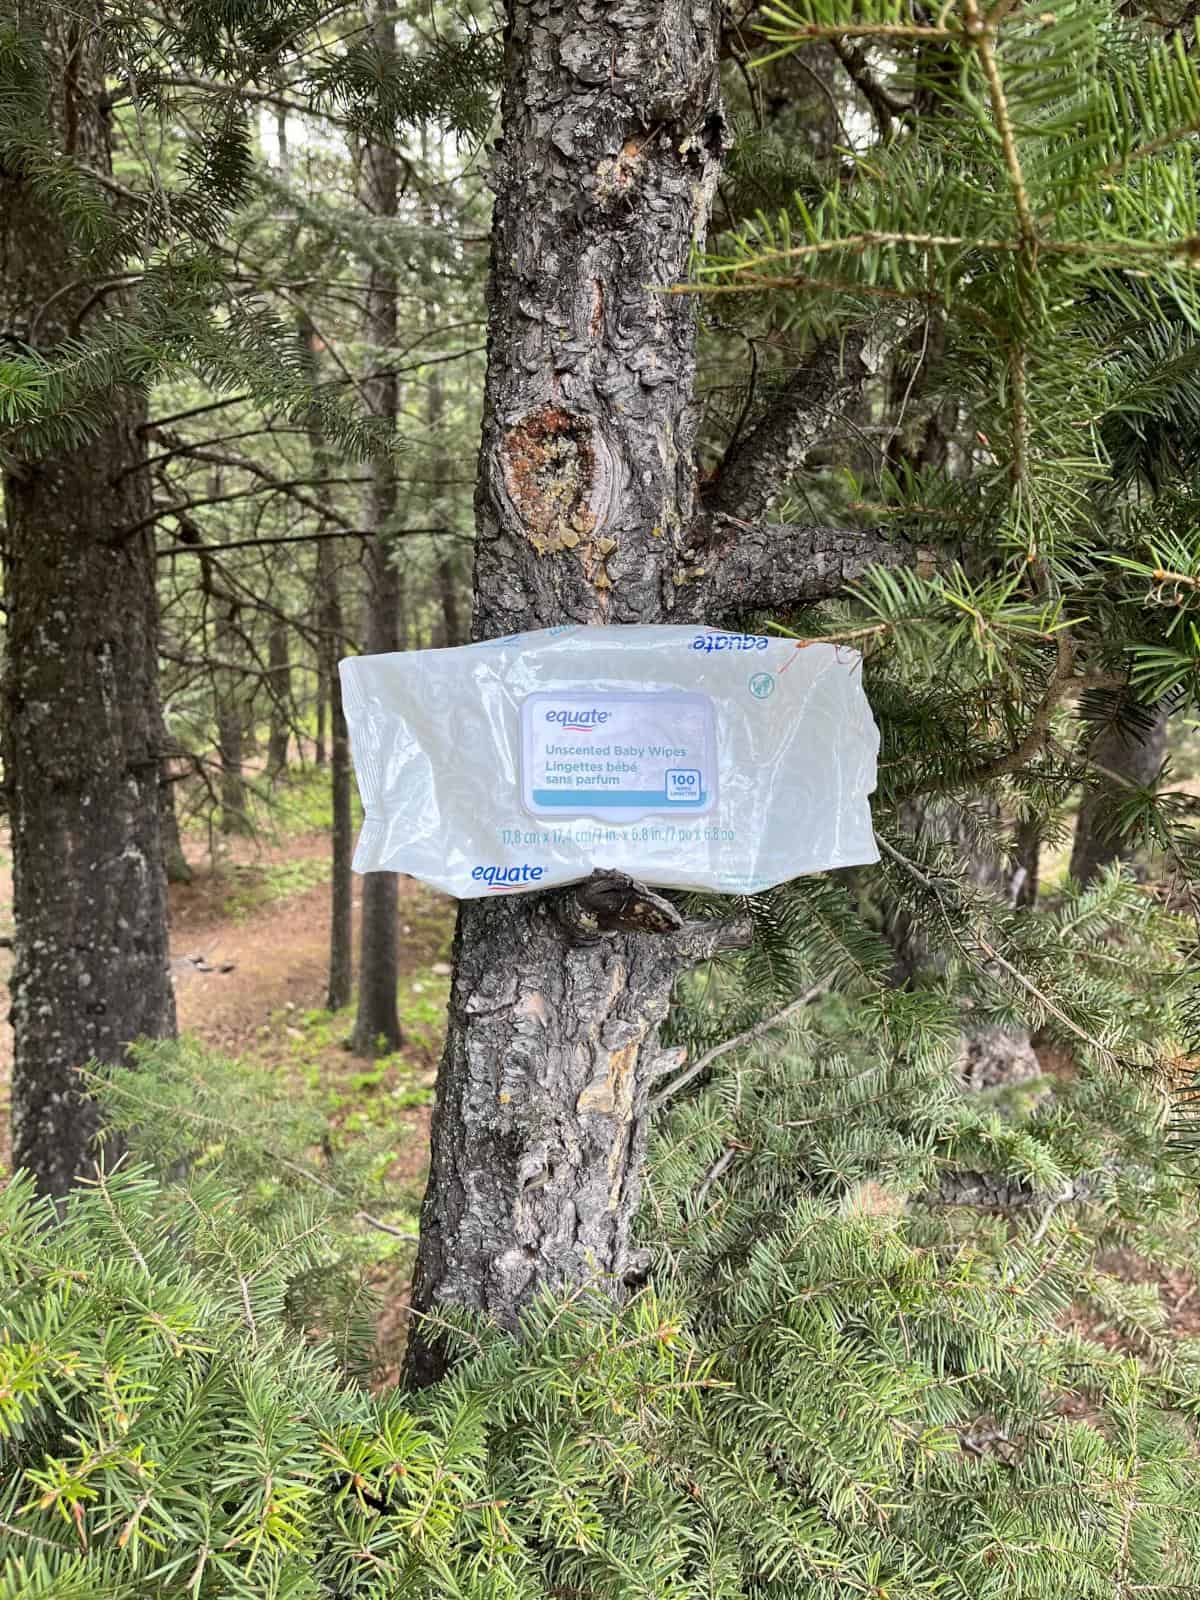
x,y
230,719
377,1023
445,576
279,663
1027,877
175,862
330,639
1121,758
612,139
341,776
322,702
81,711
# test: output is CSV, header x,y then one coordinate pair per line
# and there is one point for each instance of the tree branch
x,y
735,566
765,1026
762,463
612,902
307,538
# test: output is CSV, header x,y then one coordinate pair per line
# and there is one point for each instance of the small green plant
x,y
265,884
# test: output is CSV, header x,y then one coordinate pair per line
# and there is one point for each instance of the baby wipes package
x,y
689,758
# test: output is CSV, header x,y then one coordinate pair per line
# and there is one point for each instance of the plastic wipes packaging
x,y
688,758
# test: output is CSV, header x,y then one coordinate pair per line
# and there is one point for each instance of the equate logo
x,y
708,642
507,877
579,721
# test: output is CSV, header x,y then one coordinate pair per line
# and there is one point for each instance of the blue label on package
x,y
618,756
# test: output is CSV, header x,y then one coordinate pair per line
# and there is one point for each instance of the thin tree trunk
x,y
322,675
330,635
377,1022
447,585
341,921
1121,758
82,722
228,711
612,138
280,665
230,719
445,576
174,861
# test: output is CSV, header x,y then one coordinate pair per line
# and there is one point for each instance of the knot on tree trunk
x,y
613,902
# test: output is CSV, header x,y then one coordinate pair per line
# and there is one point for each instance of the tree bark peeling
x,y
612,117
541,1118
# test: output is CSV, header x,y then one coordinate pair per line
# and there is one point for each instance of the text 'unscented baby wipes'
x,y
689,758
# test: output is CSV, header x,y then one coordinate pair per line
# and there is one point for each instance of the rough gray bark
x,y
760,464
612,137
82,722
612,117
377,1022
730,566
1120,758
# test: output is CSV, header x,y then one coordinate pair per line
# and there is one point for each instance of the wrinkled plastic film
x,y
689,758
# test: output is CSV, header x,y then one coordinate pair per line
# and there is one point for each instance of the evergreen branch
x,y
1050,1006
980,33
749,1036
793,30
1039,725
756,285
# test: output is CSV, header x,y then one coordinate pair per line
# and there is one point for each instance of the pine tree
x,y
118,281
81,723
377,1024
843,1377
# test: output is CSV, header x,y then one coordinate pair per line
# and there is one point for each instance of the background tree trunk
x,y
612,139
377,1023
321,689
82,722
1026,881
330,641
228,691
280,665
445,575
1132,757
341,924
175,863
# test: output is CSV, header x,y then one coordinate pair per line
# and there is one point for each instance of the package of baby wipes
x,y
689,758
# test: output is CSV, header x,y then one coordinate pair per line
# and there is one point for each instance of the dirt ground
x,y
249,956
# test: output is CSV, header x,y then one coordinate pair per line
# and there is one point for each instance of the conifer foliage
x,y
841,1382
